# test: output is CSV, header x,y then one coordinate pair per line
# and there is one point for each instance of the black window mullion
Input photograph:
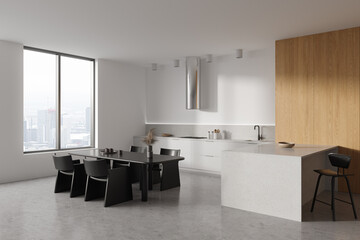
x,y
92,130
58,130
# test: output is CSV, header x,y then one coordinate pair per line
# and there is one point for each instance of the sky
x,y
40,80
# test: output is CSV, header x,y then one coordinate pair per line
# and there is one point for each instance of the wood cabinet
x,y
317,91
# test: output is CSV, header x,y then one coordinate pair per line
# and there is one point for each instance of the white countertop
x,y
299,150
254,142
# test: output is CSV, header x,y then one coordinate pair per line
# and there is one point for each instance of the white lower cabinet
x,y
202,155
208,163
185,151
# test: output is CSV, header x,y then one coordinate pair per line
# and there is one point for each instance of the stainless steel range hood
x,y
192,83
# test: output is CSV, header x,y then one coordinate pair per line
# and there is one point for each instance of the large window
x,y
58,101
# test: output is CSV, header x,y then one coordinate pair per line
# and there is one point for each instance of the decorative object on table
x,y
149,139
286,144
108,151
149,152
166,135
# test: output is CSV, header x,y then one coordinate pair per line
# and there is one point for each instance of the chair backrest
x,y
96,168
63,163
170,152
339,160
137,149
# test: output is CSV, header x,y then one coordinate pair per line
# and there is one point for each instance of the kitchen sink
x,y
193,137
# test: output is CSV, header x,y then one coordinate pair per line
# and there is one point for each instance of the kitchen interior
x,y
225,104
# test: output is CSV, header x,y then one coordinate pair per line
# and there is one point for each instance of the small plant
x,y
149,139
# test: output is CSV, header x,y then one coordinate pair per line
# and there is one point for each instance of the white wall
x,y
13,164
233,91
121,101
121,106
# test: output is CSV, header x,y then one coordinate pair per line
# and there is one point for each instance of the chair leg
x,y
351,198
315,194
94,189
170,176
332,197
118,187
78,183
156,178
63,182
135,172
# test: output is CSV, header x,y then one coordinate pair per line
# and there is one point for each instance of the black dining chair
x,y
339,161
101,181
71,175
170,177
135,168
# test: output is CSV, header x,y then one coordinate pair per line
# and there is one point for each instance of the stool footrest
x,y
323,202
342,201
335,199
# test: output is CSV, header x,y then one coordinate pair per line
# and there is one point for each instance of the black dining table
x,y
132,157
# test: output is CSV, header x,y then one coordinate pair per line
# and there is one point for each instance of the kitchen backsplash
x,y
244,132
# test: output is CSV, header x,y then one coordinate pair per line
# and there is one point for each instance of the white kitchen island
x,y
267,179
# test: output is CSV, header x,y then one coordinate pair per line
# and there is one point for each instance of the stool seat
x,y
331,173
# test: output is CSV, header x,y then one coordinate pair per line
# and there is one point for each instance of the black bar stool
x,y
339,161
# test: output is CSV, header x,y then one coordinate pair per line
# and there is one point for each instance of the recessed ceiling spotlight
x,y
154,66
176,63
208,58
239,53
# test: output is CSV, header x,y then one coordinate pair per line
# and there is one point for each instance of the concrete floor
x,y
30,210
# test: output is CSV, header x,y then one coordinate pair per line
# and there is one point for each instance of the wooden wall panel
x,y
302,111
319,75
284,64
293,90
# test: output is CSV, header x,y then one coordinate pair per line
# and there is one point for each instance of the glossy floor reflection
x,y
30,210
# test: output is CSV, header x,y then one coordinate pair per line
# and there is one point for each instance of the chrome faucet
x,y
259,134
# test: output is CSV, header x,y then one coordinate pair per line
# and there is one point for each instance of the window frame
x,y
58,101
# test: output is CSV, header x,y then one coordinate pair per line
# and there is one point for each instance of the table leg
x,y
150,174
144,182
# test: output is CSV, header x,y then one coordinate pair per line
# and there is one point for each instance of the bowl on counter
x,y
286,144
166,135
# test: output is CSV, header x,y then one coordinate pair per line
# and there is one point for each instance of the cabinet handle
x,y
208,155
209,141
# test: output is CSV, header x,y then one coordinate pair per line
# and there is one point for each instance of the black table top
x,y
126,156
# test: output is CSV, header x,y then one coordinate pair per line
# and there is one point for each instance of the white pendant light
x,y
208,58
239,53
154,66
176,63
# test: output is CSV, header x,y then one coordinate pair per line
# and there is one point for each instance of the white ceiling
x,y
145,31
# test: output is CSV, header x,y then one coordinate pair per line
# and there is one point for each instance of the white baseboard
x,y
213,173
